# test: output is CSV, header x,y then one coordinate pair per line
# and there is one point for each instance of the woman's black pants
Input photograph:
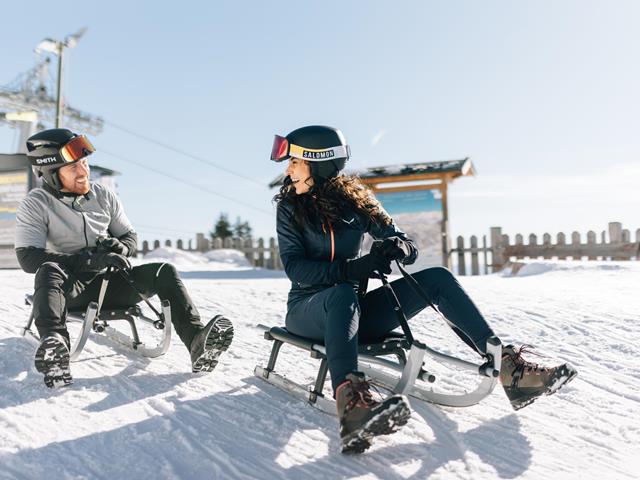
x,y
335,317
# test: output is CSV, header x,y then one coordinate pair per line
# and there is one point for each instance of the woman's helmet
x,y
325,148
49,150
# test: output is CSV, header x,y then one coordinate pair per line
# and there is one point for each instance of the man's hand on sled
x,y
111,244
97,261
367,266
394,248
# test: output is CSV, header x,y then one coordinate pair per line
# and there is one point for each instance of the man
x,y
67,233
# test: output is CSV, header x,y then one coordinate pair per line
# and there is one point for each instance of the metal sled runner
x,y
97,319
396,363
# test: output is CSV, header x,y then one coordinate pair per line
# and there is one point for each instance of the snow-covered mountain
x,y
129,417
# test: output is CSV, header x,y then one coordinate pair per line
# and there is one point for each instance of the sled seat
x,y
393,343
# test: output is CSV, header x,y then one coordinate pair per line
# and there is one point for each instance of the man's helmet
x,y
49,150
325,148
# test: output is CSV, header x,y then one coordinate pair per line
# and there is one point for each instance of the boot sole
x,y
219,338
386,422
565,375
52,360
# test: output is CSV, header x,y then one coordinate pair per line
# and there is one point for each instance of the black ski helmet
x,y
325,148
49,150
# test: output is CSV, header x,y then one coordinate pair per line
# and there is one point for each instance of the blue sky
x,y
542,95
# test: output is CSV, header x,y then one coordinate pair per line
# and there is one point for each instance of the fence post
x,y
261,252
462,269
561,242
615,232
156,244
247,247
145,247
273,254
497,259
475,265
615,236
484,252
591,242
179,244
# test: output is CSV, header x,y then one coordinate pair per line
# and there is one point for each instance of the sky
x,y
541,95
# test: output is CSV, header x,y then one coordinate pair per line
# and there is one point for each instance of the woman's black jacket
x,y
314,257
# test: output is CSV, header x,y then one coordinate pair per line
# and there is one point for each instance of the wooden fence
x,y
259,252
618,246
477,258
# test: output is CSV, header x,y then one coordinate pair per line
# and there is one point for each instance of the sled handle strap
x,y
395,303
413,283
127,277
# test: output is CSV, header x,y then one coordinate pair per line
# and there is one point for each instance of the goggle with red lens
x,y
282,150
79,147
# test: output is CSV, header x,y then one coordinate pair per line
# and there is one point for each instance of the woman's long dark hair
x,y
328,199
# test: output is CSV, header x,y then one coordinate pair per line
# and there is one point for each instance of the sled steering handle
x,y
397,308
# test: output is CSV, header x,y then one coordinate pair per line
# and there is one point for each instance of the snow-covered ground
x,y
129,417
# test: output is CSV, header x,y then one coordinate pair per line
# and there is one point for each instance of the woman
x,y
322,218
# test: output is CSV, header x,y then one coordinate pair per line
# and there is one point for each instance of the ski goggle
x,y
282,150
77,148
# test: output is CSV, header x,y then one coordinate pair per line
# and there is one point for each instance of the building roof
x,y
13,161
407,172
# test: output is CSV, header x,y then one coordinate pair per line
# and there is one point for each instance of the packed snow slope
x,y
130,417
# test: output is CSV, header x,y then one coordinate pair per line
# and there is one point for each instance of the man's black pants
x,y
58,290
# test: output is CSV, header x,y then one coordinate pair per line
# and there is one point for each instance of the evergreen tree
x,y
242,229
222,228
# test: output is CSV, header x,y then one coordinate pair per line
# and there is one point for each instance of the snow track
x,y
130,417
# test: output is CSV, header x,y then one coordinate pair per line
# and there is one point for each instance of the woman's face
x,y
300,173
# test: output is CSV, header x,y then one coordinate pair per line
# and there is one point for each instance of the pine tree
x,y
222,228
241,229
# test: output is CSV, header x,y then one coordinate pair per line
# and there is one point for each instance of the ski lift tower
x,y
29,100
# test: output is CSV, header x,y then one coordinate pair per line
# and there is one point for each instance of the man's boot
x,y
525,381
52,360
362,418
209,343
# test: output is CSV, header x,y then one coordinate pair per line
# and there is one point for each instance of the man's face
x,y
75,177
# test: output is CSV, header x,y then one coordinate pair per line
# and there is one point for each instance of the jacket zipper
x,y
84,223
333,242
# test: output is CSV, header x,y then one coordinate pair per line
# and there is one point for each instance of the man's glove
x,y
365,266
395,248
97,261
111,244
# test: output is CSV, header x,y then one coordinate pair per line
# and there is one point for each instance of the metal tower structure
x,y
29,102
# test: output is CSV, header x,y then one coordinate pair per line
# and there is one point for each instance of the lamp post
x,y
57,48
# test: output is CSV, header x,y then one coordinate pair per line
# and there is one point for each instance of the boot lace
x,y
360,396
522,364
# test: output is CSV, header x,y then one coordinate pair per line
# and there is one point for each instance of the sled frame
x,y
96,319
404,373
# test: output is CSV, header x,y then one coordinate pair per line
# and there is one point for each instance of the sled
x,y
97,319
398,363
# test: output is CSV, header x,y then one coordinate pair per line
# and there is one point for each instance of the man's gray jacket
x,y
51,226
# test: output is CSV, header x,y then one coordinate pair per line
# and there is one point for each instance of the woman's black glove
x,y
112,244
365,266
395,248
97,261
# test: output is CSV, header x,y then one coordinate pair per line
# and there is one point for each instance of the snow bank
x,y
538,267
224,258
